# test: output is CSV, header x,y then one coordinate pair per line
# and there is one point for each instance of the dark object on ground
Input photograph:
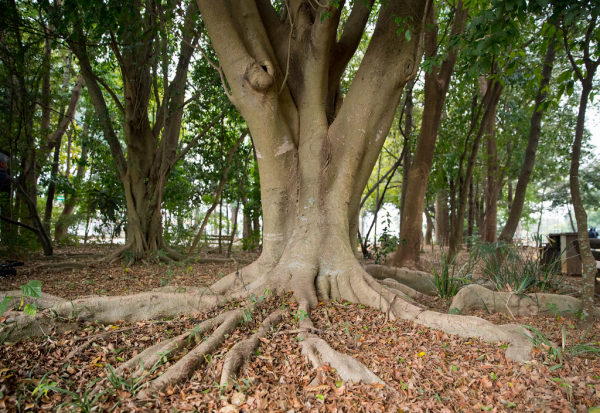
x,y
8,268
592,233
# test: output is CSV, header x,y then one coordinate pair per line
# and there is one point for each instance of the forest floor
x,y
426,370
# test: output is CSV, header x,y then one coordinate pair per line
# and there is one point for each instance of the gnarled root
x,y
186,366
109,310
519,349
416,280
19,326
319,352
239,355
476,297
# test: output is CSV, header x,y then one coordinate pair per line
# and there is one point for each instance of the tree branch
x,y
10,221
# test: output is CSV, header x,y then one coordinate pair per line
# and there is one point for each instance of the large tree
x,y
315,153
139,39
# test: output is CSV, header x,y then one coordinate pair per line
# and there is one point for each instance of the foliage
x,y
451,277
512,267
32,289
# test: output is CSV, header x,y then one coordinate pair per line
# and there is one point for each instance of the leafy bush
x,y
388,243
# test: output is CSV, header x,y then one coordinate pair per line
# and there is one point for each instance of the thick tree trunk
x,y
437,82
508,232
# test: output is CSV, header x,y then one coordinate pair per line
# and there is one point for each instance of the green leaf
x,y
4,304
32,289
30,309
320,397
408,35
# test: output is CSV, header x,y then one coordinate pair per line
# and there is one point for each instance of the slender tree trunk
x,y
437,82
407,158
516,210
570,220
429,228
491,98
588,260
471,213
541,215
62,225
493,170
52,188
218,193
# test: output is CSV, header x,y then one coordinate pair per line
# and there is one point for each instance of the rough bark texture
x,y
437,82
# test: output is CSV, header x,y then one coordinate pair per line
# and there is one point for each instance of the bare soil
x,y
426,370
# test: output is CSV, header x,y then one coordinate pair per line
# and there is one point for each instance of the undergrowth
x,y
511,268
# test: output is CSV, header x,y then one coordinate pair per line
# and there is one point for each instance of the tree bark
x,y
508,232
407,158
588,260
313,167
437,82
493,171
471,212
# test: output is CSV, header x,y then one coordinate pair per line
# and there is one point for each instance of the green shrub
x,y
451,278
509,268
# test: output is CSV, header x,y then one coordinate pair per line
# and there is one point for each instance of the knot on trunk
x,y
261,76
408,69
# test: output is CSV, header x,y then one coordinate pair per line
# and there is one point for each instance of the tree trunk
x,y
471,213
429,228
442,221
62,225
437,82
152,149
588,260
407,158
508,232
52,188
493,171
490,100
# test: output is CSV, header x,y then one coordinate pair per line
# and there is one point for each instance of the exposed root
x,y
476,297
416,280
414,294
186,366
109,310
45,301
62,266
238,357
221,260
519,349
19,326
319,352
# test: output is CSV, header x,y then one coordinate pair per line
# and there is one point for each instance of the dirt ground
x,y
425,370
